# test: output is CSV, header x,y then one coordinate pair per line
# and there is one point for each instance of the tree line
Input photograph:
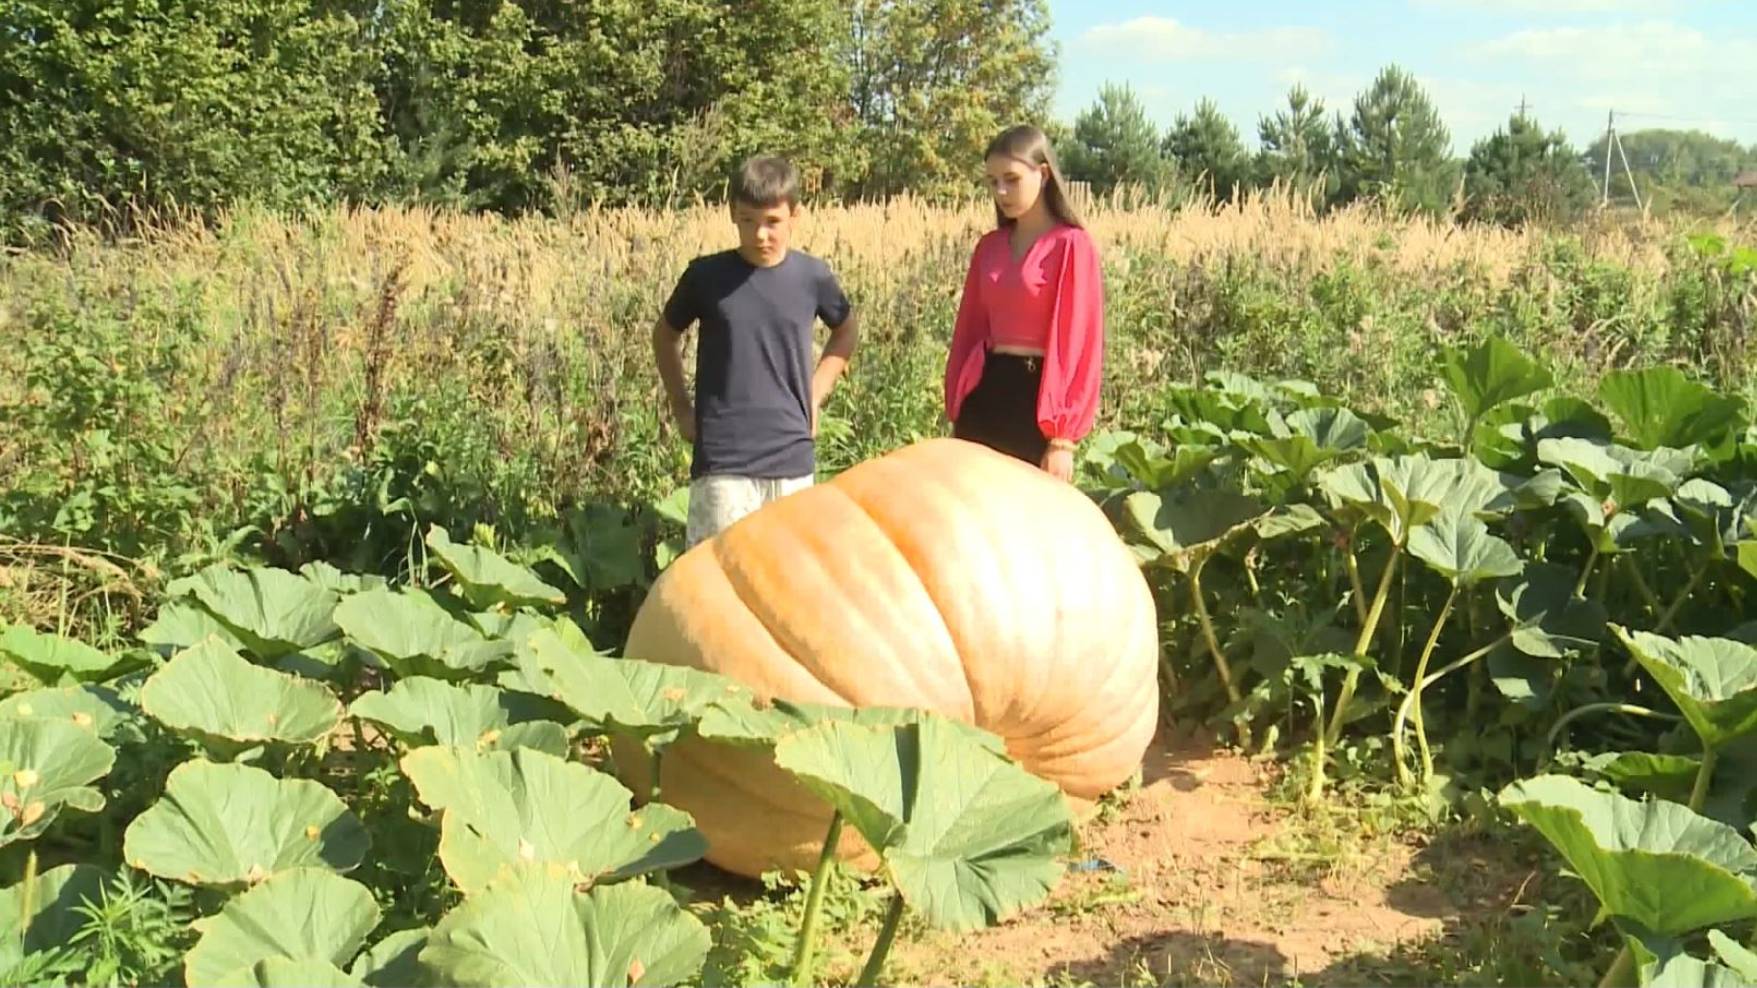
x,y
1393,148
111,107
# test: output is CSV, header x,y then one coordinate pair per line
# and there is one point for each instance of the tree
x,y
1520,174
1395,149
1206,149
1115,144
934,80
1298,147
1689,171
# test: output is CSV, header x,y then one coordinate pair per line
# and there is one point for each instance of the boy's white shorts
x,y
718,500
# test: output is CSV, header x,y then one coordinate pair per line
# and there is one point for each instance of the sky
x,y
1657,63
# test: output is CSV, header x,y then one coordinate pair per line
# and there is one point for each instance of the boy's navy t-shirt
x,y
754,359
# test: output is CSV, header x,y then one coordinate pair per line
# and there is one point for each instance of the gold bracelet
x,y
1067,444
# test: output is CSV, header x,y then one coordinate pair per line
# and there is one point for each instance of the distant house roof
x,y
1746,180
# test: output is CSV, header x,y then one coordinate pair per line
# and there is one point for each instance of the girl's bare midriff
x,y
1019,351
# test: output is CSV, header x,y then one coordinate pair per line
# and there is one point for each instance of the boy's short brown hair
x,y
766,181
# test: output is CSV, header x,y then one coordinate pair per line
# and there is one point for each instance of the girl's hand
x,y
1058,462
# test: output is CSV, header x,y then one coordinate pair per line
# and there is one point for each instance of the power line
x,y
1678,119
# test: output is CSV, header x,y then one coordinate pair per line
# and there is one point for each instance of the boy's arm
x,y
668,354
837,351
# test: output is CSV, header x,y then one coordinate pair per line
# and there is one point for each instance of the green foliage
x,y
1114,143
1521,174
1205,148
1298,147
1394,147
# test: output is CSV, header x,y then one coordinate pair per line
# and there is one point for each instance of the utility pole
x,y
1610,131
1522,106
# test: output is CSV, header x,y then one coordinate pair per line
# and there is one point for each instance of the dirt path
x,y
1202,893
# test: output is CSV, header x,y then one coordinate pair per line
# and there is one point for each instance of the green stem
x,y
814,901
875,961
1620,970
1213,643
1354,580
1349,682
1586,572
1677,605
1704,774
1411,705
1593,708
1640,583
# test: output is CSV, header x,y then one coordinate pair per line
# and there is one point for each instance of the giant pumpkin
x,y
942,576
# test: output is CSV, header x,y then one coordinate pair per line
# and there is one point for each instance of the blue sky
x,y
1670,63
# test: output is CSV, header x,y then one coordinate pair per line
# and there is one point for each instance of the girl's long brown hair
x,y
1031,145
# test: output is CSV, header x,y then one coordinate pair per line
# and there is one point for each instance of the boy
x,y
753,418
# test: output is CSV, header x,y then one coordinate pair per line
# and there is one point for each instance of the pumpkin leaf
x,y
968,836
1189,529
46,766
305,915
415,636
504,810
1403,493
216,695
1153,468
1491,373
643,699
1654,864
53,659
1661,407
98,709
181,623
1662,962
271,611
1608,472
1666,776
420,710
535,929
336,581
601,548
285,972
1459,547
236,825
1713,681
55,903
395,961
487,578
742,723
1547,620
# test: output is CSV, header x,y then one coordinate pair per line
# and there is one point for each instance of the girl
x,y
1027,350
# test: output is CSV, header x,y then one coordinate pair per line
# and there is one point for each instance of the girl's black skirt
x,y
1001,411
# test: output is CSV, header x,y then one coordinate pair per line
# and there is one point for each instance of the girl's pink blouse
x,y
1051,300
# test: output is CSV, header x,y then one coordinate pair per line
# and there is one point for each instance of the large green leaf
x,y
53,659
1226,411
285,972
1314,436
1713,681
1491,373
182,623
98,709
233,825
393,962
489,579
330,578
1187,529
621,695
1608,472
743,723
1459,547
1155,469
215,694
1660,406
44,766
1655,864
272,611
535,929
1546,619
1403,493
303,914
1666,776
968,836
55,901
431,711
601,548
1663,962
502,810
415,636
